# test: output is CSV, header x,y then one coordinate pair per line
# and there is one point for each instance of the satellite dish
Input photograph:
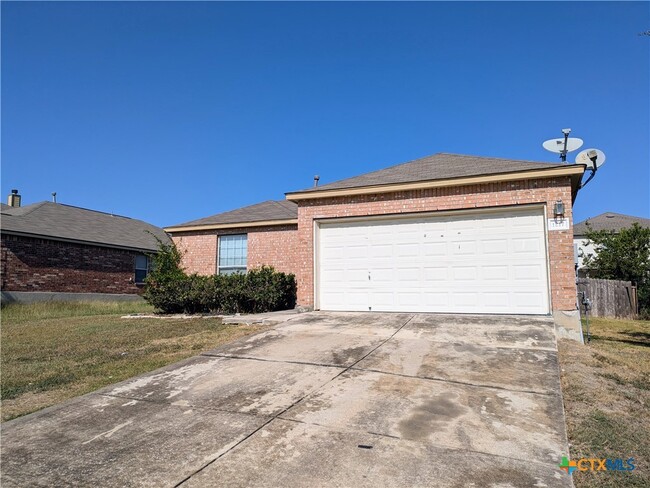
x,y
587,157
557,145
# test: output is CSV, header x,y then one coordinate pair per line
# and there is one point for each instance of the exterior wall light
x,y
558,209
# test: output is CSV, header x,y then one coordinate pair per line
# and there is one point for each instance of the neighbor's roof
x,y
441,166
609,221
65,222
271,211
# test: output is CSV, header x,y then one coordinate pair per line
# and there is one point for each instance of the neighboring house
x,y
609,221
445,233
55,248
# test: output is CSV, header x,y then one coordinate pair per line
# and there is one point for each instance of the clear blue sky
x,y
174,111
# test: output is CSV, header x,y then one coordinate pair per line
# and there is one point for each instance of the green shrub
x,y
170,290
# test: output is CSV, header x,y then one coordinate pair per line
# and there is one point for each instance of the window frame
x,y
146,270
234,269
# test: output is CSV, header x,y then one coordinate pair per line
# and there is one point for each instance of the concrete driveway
x,y
324,399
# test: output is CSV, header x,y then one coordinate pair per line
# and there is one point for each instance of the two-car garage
x,y
493,261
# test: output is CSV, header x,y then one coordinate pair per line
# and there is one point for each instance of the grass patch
x,y
606,389
52,354
17,312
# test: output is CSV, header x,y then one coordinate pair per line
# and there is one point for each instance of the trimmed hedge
x,y
259,290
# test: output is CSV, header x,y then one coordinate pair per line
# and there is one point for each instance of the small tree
x,y
622,256
164,279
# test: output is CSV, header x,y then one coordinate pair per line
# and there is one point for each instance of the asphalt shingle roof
x,y
439,166
269,210
57,220
609,221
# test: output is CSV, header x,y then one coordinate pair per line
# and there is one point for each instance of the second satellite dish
x,y
591,157
557,145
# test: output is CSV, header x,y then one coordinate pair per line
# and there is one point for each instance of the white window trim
x,y
244,269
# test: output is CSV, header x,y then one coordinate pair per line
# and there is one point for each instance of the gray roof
x,y
59,221
440,166
609,221
269,210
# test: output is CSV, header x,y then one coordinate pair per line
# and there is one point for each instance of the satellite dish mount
x,y
591,158
563,145
566,133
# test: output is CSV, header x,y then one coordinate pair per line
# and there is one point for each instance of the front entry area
x,y
492,261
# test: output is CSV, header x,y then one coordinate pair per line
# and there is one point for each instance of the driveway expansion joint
x,y
424,443
265,360
455,382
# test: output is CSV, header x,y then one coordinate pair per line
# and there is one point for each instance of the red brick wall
x,y
560,243
270,245
30,264
199,250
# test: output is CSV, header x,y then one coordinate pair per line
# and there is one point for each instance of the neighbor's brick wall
x,y
31,264
560,243
269,245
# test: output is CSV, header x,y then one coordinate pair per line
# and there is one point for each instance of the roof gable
x,y
60,221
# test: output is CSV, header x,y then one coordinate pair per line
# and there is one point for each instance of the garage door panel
x,y
496,300
434,249
355,276
463,248
333,275
465,299
435,273
464,273
526,245
495,247
480,263
408,299
409,276
528,299
524,272
381,251
407,250
381,275
436,299
495,273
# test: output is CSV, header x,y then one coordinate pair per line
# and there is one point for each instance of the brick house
x,y
445,233
51,250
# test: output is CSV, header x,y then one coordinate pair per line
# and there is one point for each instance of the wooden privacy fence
x,y
610,298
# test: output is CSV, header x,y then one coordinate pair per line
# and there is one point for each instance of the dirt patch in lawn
x,y
606,388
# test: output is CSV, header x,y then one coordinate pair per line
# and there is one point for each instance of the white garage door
x,y
468,263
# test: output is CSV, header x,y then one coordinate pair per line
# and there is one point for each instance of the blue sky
x,y
174,111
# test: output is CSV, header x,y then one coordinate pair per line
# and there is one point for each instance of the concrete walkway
x,y
323,399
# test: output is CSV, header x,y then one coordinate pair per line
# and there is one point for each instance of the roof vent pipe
x,y
14,199
316,178
54,196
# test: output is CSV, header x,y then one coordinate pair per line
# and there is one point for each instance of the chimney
x,y
316,178
14,199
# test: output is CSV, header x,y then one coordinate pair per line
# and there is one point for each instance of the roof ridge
x,y
31,207
501,158
91,210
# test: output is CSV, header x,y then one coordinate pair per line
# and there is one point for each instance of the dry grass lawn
x,y
53,352
606,388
